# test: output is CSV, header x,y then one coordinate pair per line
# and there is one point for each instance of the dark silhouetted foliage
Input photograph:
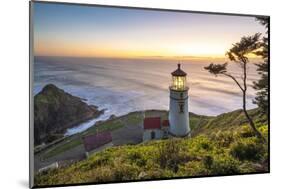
x,y
262,85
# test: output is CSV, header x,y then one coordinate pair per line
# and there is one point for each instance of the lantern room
x,y
178,79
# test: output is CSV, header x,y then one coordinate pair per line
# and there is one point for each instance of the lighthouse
x,y
178,112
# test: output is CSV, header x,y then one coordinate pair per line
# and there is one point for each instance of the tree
x,y
262,85
239,54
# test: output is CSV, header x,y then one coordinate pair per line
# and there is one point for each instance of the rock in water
x,y
55,111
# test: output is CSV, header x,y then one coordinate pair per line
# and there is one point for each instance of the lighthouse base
x,y
180,136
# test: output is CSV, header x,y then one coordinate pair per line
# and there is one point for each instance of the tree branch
x,y
235,80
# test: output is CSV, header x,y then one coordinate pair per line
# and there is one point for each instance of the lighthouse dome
x,y
178,72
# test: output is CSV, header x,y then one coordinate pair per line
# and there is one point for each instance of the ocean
x,y
121,86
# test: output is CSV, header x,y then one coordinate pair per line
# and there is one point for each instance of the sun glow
x,y
103,32
55,48
201,50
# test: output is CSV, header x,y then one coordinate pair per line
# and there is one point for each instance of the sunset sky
x,y
81,31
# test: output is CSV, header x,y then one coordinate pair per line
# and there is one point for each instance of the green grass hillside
x,y
225,121
220,145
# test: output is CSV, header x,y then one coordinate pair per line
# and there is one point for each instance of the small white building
x,y
154,128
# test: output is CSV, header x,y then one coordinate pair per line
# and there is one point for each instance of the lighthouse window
x,y
181,105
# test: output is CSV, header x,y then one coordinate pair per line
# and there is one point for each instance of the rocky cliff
x,y
55,111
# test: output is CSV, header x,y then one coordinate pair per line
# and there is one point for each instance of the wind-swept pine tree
x,y
239,55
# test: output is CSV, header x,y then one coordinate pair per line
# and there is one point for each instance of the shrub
x,y
101,159
156,173
192,168
125,171
247,150
246,132
201,143
205,145
137,158
101,174
224,166
264,130
247,167
223,139
134,155
208,161
169,155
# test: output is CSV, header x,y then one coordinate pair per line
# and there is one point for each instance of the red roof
x,y
94,141
152,123
165,123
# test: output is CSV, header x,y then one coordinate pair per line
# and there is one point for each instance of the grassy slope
x,y
220,145
226,121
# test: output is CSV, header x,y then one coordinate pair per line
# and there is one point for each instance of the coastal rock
x,y
55,111
112,117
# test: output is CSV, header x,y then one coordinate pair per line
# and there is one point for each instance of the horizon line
x,y
142,57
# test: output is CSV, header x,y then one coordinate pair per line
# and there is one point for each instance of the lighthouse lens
x,y
178,83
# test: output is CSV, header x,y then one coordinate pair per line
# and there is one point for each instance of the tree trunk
x,y
258,134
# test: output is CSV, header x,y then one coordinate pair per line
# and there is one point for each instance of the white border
x,y
14,97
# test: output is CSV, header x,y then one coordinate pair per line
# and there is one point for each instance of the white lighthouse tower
x,y
178,113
